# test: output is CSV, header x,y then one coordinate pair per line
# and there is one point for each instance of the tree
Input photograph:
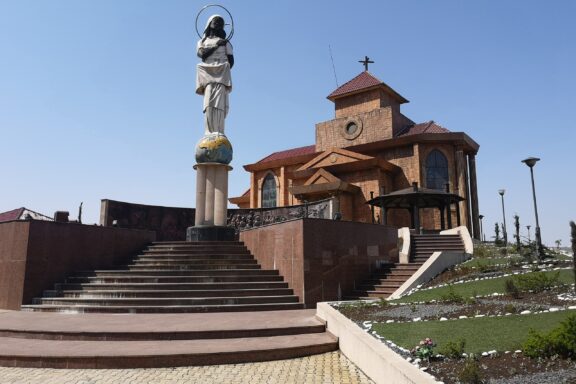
x,y
497,231
517,226
558,242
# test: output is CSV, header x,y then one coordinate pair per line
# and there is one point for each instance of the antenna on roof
x,y
333,67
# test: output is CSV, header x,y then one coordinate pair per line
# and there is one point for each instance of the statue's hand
x,y
221,42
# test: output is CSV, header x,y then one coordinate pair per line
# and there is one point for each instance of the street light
x,y
531,162
481,231
505,234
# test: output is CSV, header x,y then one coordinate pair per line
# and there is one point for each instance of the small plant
x,y
424,350
471,373
510,308
453,349
452,296
511,288
536,281
383,303
515,261
497,233
560,341
482,250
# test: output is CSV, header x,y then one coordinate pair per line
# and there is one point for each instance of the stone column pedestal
x,y
211,204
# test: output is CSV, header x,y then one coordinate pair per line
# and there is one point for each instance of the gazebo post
x,y
442,223
416,218
457,214
449,207
382,209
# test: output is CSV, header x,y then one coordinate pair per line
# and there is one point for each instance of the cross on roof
x,y
366,61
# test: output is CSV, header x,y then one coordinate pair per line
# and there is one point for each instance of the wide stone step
x,y
169,286
218,256
17,352
385,279
176,279
195,267
194,262
197,250
163,308
97,293
170,301
177,272
379,287
110,327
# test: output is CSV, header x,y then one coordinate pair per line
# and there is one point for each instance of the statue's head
x,y
215,26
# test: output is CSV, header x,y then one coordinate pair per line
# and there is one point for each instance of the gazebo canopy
x,y
415,197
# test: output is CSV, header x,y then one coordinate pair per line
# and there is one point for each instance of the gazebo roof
x,y
415,197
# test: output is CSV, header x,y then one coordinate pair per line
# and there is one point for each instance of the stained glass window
x,y
269,192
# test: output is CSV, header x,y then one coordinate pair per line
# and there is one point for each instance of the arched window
x,y
269,191
436,170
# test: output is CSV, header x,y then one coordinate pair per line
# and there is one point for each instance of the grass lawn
x,y
482,287
481,334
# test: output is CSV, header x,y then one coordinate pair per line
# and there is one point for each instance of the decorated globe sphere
x,y
214,148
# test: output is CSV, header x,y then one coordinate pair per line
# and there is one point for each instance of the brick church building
x,y
371,149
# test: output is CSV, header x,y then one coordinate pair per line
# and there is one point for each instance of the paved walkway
x,y
327,368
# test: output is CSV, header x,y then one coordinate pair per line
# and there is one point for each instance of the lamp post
x,y
481,231
531,162
505,234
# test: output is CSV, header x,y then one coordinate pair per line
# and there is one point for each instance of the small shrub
x,y
515,261
510,308
560,341
536,281
425,349
484,267
452,296
453,349
471,373
511,288
483,251
383,303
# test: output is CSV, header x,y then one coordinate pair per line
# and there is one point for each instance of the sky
x,y
97,96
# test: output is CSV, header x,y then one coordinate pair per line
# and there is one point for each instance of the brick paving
x,y
327,368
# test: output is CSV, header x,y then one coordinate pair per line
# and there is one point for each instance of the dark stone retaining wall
x,y
322,260
36,254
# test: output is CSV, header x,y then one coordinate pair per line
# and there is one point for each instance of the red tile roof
x,y
364,80
427,127
308,150
11,215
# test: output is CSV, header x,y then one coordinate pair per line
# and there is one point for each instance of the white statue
x,y
213,78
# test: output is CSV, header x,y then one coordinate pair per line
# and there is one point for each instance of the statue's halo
x,y
219,6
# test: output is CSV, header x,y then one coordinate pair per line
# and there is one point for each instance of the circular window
x,y
351,129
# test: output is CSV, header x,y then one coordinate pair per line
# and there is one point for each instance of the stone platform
x,y
56,340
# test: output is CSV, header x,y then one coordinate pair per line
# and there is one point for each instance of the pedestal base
x,y
210,233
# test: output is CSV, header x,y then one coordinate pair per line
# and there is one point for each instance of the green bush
x,y
483,251
452,296
511,288
453,349
471,373
536,281
560,341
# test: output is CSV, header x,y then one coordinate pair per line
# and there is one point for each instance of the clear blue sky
x,y
97,96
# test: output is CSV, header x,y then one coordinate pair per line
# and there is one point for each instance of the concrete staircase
x,y
174,277
423,246
390,277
